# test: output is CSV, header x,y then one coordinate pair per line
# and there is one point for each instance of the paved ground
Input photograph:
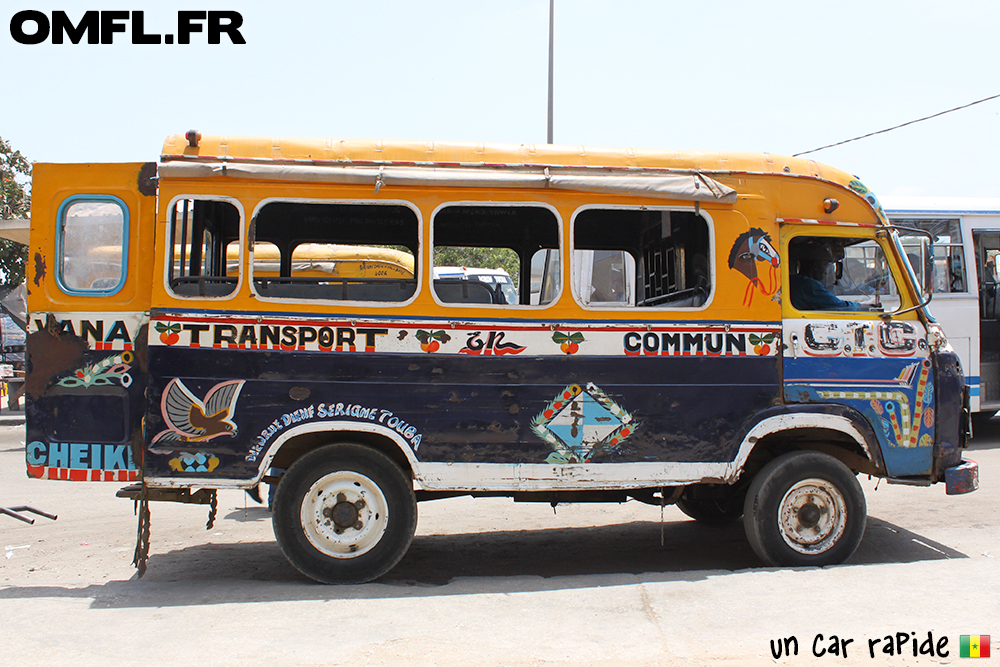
x,y
487,582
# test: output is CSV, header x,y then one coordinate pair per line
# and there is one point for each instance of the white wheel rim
x,y
344,514
812,516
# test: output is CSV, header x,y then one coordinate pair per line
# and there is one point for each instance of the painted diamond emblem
x,y
581,423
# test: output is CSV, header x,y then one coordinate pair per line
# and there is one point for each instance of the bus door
x,y
874,374
89,273
955,304
987,249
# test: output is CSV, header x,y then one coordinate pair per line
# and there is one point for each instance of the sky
x,y
781,77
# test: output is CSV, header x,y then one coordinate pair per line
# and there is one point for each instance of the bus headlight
x,y
937,340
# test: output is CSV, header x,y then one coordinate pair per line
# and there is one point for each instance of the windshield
x,y
841,273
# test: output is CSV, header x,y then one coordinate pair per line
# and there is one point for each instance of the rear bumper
x,y
963,478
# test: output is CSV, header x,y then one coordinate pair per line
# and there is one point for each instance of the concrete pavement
x,y
490,582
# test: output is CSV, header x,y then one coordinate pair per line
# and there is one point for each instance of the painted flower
x,y
169,333
431,341
762,344
569,343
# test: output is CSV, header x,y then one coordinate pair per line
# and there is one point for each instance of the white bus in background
x,y
965,282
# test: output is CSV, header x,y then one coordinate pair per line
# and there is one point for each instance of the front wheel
x,y
344,514
805,508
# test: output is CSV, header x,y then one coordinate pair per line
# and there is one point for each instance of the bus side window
x,y
644,258
340,252
949,268
201,230
92,241
522,240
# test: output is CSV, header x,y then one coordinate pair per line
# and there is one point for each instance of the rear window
x,y
92,243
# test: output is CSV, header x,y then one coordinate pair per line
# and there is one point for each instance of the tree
x,y
15,202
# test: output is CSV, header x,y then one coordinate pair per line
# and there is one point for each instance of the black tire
x,y
805,508
982,419
716,511
344,514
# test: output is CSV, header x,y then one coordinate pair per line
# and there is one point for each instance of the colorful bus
x,y
677,328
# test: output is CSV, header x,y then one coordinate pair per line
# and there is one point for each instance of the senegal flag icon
x,y
975,646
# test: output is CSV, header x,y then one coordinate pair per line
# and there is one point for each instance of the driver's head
x,y
816,261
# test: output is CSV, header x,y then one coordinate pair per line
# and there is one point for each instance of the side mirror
x,y
928,255
927,251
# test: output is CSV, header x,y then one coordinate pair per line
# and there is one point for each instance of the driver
x,y
814,262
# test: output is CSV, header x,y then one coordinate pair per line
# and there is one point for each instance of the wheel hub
x,y
344,514
809,515
812,516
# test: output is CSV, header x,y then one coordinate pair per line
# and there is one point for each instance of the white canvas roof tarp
x,y
690,186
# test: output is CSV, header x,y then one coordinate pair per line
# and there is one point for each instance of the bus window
x,y
949,267
201,231
508,237
341,252
642,258
93,235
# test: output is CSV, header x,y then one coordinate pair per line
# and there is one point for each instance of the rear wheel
x,y
805,508
982,419
344,514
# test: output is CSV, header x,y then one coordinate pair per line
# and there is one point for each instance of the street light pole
x,y
551,20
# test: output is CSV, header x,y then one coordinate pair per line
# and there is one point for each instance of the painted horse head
x,y
750,248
